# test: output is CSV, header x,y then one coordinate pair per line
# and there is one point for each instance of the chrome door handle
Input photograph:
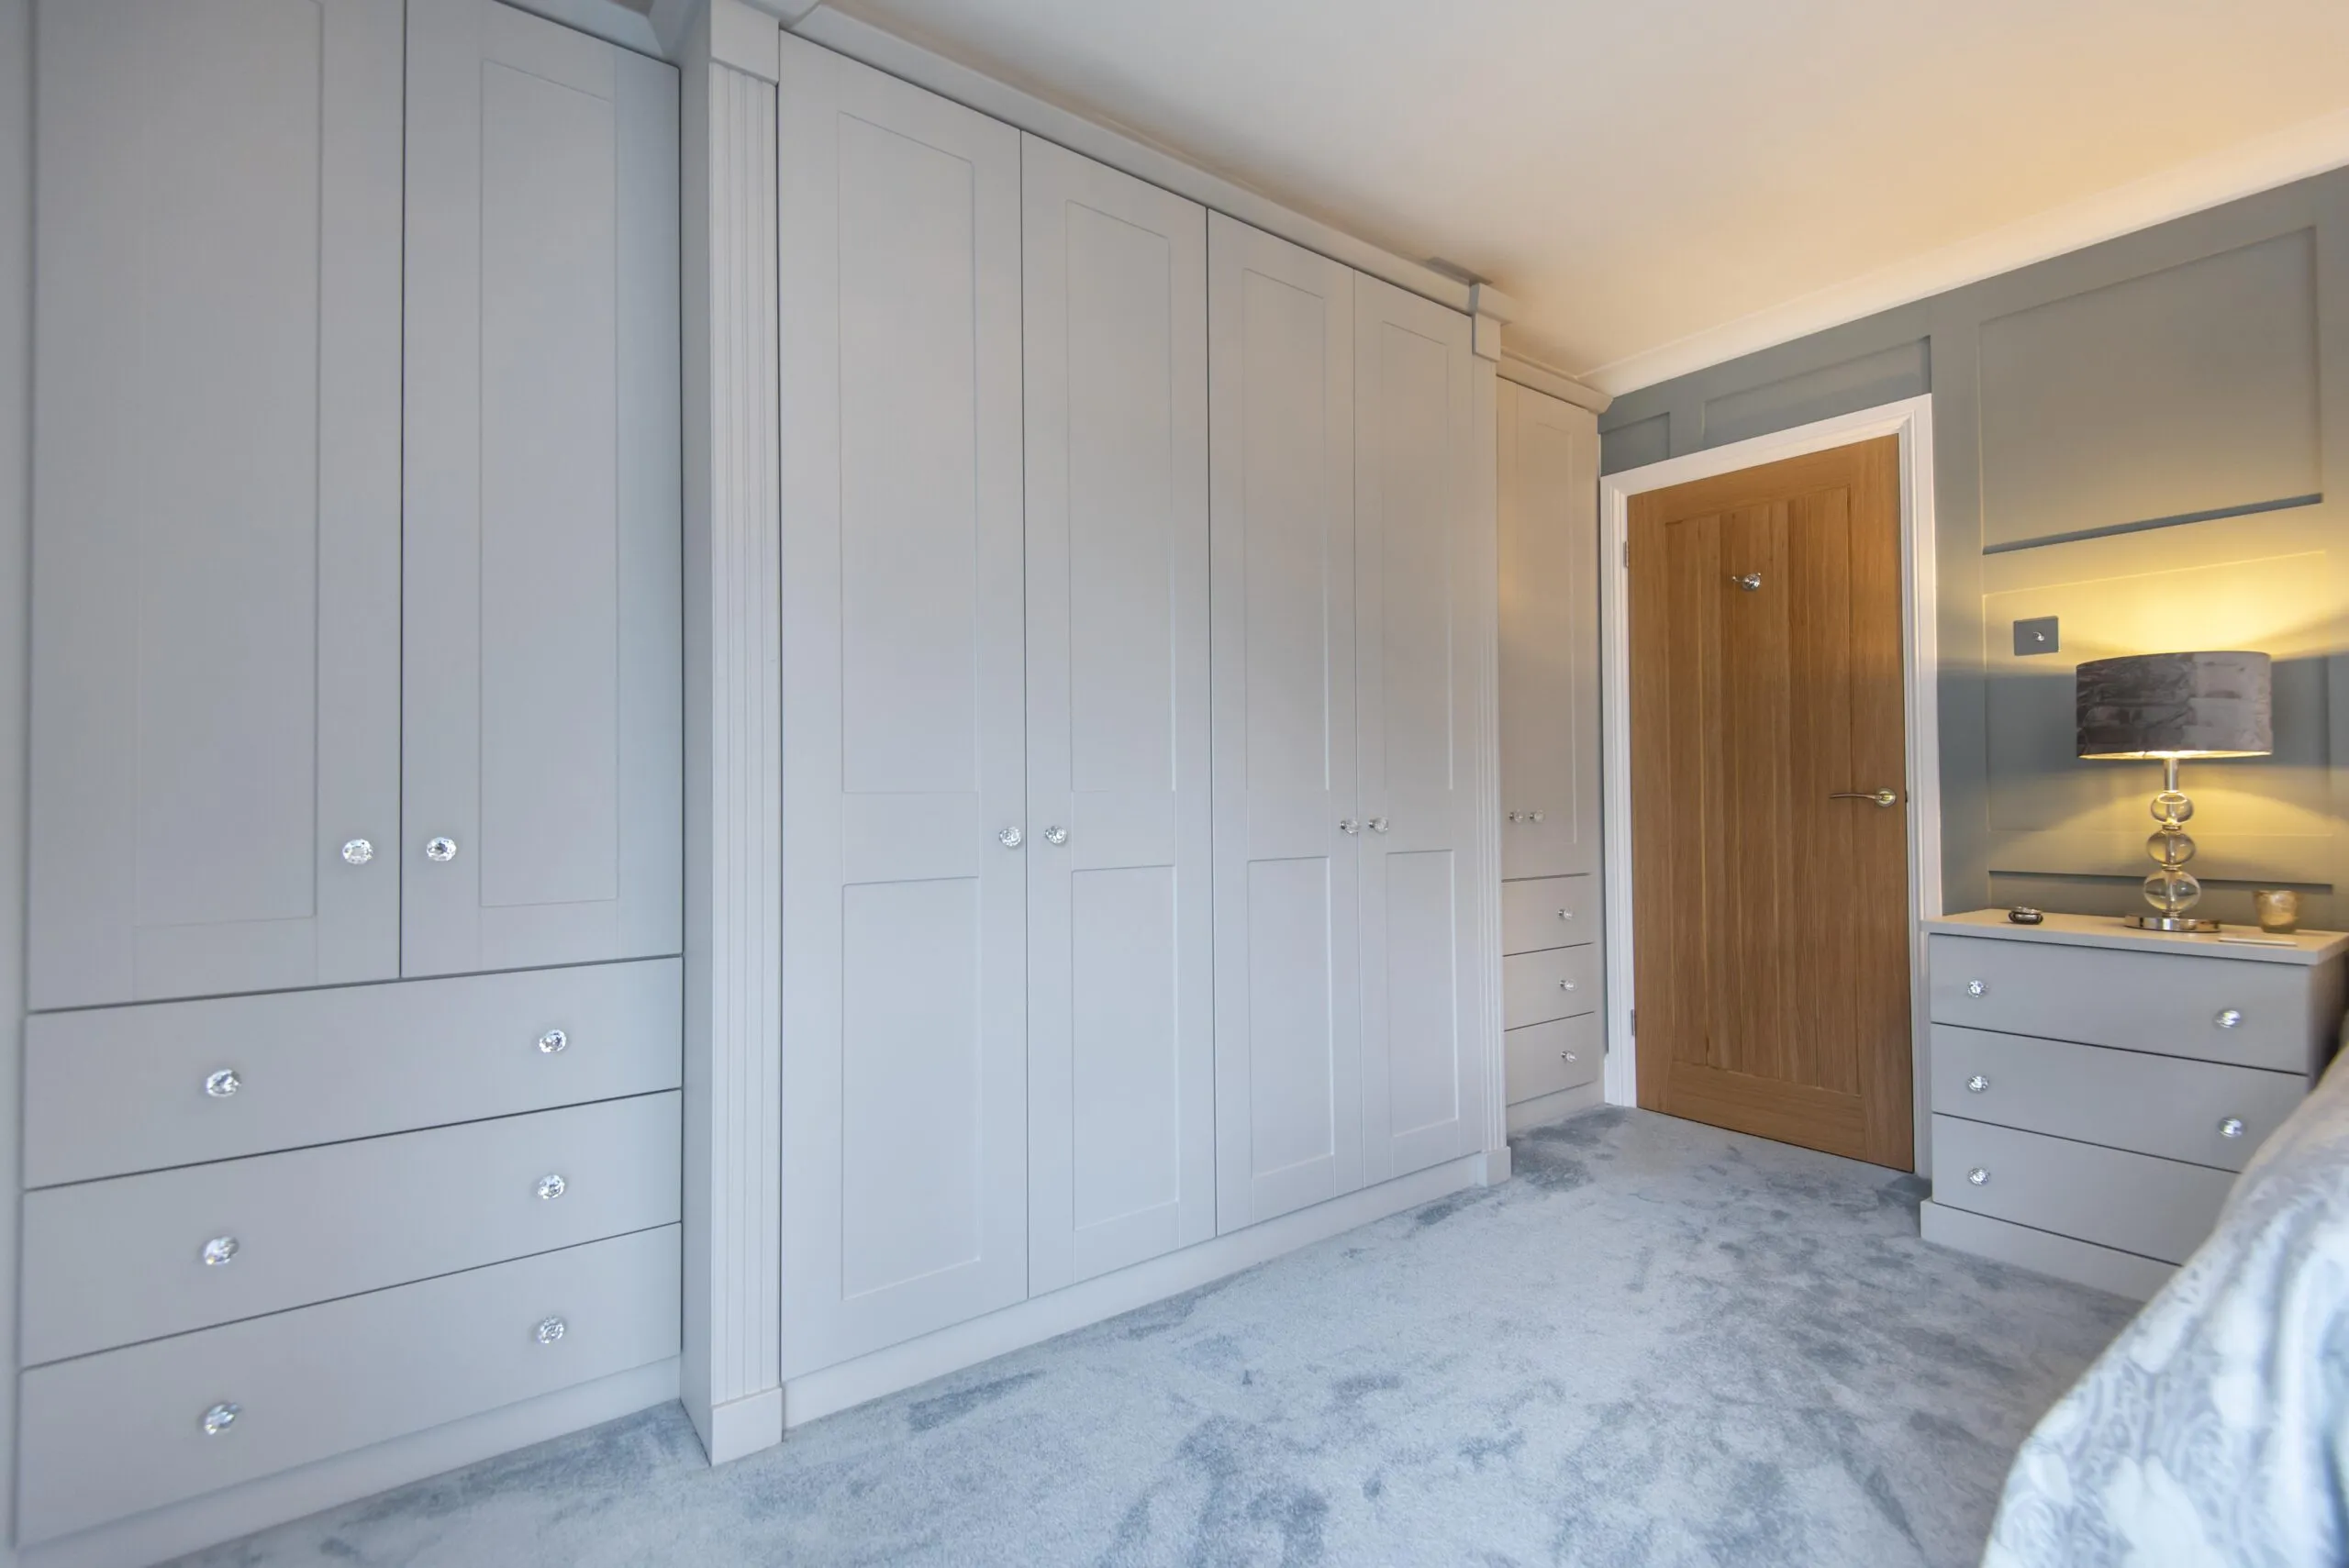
x,y
1881,797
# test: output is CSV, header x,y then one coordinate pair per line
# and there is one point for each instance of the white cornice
x,y
1556,383
2262,163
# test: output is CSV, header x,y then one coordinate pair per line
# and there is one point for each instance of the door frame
x,y
1911,419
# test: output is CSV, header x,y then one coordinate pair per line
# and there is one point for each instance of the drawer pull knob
x,y
1568,1056
220,1250
441,851
1565,914
553,1042
220,1417
2231,1128
1975,987
1565,984
1980,1176
551,1186
550,1329
357,852
1056,834
1977,1083
2228,1017
1011,837
223,1083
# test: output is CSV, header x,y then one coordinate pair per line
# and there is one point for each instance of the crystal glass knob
x,y
550,1329
1565,914
1565,984
223,1083
1348,825
552,1186
1975,987
1010,837
220,1417
219,1250
357,852
1979,1176
1534,815
1378,824
1977,1083
553,1042
441,851
1568,1056
2231,1128
1056,834
2227,1017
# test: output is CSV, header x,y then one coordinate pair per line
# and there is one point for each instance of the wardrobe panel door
x,y
1421,609
905,1187
543,747
216,498
1120,985
1549,635
1281,420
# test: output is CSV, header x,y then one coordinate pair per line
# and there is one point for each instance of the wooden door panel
x,y
1120,1027
1287,987
543,724
216,498
1771,918
1416,730
904,916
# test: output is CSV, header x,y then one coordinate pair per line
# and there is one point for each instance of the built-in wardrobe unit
x,y
350,1096
1137,586
1554,974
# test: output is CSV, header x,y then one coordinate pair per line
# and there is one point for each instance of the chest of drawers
x,y
2095,1087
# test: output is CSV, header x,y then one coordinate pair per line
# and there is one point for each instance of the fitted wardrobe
x,y
1138,702
351,1088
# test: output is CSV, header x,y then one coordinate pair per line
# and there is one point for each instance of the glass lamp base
x,y
2169,923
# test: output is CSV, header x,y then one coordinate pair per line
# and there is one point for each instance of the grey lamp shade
x,y
2176,705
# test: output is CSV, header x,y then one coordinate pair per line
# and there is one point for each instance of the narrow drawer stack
x,y
1550,984
262,1231
2095,1088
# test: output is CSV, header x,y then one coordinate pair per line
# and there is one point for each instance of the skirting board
x,y
2043,1251
836,1389
1543,1109
743,1426
216,1517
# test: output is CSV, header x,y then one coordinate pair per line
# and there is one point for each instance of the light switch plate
x,y
2036,636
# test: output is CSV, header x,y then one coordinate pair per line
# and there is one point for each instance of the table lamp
x,y
2174,705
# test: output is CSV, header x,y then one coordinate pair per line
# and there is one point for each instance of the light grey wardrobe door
x,y
543,752
216,498
1548,630
905,846
1120,983
1287,997
1423,629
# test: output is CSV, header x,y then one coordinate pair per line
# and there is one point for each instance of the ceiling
x,y
1663,183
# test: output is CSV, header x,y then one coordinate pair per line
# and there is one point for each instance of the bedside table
x,y
2096,1087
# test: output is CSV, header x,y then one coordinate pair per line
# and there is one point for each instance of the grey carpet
x,y
1661,1343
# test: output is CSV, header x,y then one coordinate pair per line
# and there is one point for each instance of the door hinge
x,y
1627,555
1635,1020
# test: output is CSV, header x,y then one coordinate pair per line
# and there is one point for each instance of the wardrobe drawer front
x,y
1539,986
113,1263
121,1089
2158,1208
1549,912
1544,1059
2170,1004
2152,1105
111,1434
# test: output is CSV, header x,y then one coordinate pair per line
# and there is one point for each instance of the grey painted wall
x,y
2149,440
16,571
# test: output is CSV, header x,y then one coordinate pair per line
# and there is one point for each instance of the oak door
x,y
1120,983
904,842
216,637
543,749
1287,981
1420,608
1768,803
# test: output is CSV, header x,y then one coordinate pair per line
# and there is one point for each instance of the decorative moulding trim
x,y
1911,419
1040,1317
746,39
161,1534
2262,163
1554,383
1483,507
632,30
1120,148
744,1425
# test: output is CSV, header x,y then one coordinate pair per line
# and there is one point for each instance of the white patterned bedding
x,y
2216,1428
